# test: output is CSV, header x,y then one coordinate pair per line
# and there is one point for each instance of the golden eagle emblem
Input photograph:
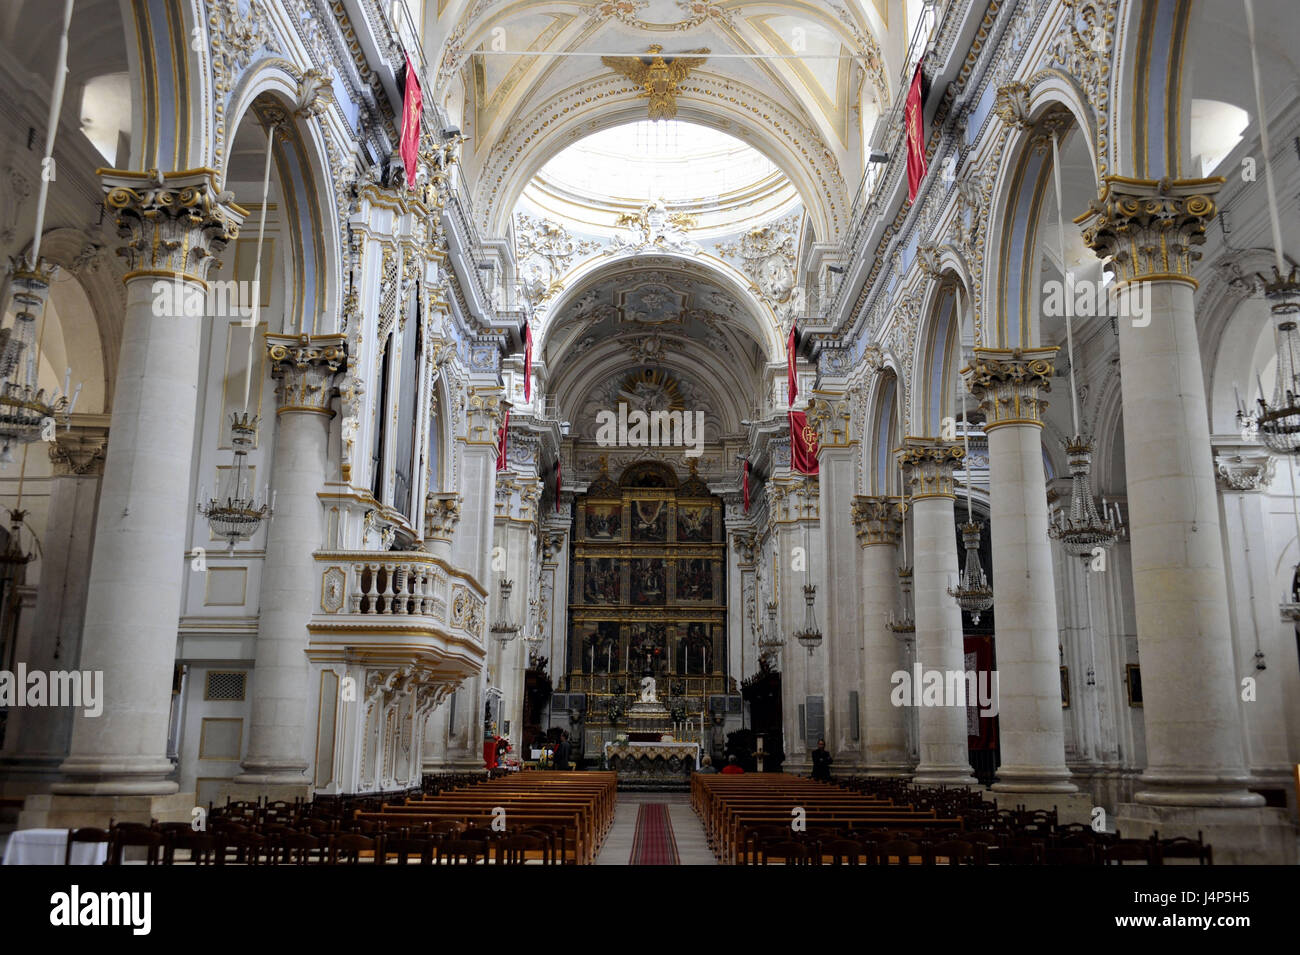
x,y
657,75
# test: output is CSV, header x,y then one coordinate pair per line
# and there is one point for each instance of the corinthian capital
x,y
876,520
306,366
832,416
1010,382
173,225
928,464
1149,227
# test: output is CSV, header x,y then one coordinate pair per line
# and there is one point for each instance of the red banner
x,y
501,442
981,731
528,363
746,487
412,108
915,120
791,364
803,444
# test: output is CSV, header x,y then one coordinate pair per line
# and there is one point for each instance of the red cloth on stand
x,y
490,753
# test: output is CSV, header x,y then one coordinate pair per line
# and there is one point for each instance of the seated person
x,y
706,765
732,768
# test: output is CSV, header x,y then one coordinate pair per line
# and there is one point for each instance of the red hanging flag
x,y
791,363
803,444
412,108
746,487
501,442
915,120
528,363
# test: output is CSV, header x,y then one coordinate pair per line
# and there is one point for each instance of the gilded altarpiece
x,y
647,593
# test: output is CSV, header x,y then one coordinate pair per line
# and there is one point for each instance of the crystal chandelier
x,y
504,629
235,515
1278,422
1083,531
974,595
27,411
906,622
810,636
769,637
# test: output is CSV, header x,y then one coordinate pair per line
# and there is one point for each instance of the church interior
x,y
603,431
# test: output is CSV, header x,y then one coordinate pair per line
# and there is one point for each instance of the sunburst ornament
x,y
651,389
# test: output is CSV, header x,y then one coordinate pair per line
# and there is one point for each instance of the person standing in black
x,y
562,752
821,760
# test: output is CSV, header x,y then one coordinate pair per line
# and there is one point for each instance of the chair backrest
x,y
789,852
843,852
1181,847
1130,850
900,851
350,846
86,834
461,852
514,851
122,837
956,852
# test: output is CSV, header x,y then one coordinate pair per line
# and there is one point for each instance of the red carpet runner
x,y
653,843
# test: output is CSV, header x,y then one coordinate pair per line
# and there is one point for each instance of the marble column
x,y
277,757
1010,384
831,413
1196,777
884,733
173,227
1193,722
1260,634
37,738
928,464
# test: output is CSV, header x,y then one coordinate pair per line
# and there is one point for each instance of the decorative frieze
x,y
78,453
928,464
1009,384
1149,227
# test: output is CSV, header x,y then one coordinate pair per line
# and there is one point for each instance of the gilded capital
x,y
1009,384
832,416
1149,227
876,520
173,225
306,366
928,464
1012,105
441,515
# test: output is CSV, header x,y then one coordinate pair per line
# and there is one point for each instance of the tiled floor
x,y
687,830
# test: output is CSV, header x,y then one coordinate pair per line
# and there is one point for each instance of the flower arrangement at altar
x,y
621,741
614,710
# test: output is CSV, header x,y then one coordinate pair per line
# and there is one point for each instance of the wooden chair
x,y
514,851
249,848
203,846
1182,847
789,852
462,852
843,852
85,835
1021,850
350,846
1128,850
420,845
301,848
955,852
124,837
901,850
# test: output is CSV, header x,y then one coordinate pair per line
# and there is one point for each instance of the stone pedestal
x,y
1239,836
46,811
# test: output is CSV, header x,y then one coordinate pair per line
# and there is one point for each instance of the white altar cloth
x,y
666,750
46,847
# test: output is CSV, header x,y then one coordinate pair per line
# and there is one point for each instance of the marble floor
x,y
691,845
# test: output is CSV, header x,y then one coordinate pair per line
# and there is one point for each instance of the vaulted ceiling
x,y
799,81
